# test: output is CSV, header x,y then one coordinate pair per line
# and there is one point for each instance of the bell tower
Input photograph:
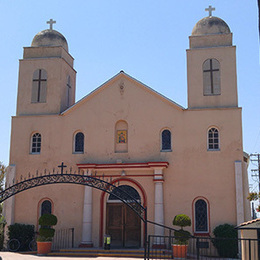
x,y
47,78
211,65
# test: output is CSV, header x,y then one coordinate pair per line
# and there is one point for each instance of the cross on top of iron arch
x,y
62,166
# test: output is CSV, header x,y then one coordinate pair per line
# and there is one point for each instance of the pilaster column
x,y
158,201
87,217
239,192
8,210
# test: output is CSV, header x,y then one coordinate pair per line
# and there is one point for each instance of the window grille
x,y
166,140
213,139
127,190
46,207
201,216
79,143
36,143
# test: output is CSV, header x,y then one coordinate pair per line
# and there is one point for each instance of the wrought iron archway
x,y
74,178
80,178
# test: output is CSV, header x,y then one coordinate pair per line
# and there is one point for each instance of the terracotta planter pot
x,y
180,251
43,248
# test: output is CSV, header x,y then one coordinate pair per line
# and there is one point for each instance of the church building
x,y
173,160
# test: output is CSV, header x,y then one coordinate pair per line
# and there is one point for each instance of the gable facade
x,y
174,160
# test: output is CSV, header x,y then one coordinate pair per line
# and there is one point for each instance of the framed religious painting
x,y
121,136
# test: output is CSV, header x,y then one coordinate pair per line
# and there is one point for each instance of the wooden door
x,y
132,228
115,224
123,225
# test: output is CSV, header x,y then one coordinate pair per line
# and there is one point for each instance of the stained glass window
x,y
166,140
201,216
36,142
79,142
46,207
213,139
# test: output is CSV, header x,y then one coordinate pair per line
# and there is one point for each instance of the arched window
x,y
79,143
211,77
36,142
213,139
46,207
166,140
39,86
201,216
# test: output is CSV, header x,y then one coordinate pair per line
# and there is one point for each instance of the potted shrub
x,y
46,233
181,236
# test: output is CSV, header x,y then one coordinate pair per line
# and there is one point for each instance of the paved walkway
x,y
17,256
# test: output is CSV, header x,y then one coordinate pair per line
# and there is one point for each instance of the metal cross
x,y
51,22
62,166
210,9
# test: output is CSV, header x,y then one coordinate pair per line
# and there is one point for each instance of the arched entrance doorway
x,y
122,223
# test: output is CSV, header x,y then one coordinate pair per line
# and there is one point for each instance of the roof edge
x,y
102,86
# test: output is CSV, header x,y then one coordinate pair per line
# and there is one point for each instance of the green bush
x,y
24,233
182,236
226,240
48,220
181,220
46,233
2,226
1,236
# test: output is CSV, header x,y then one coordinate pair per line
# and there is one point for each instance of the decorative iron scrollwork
x,y
79,179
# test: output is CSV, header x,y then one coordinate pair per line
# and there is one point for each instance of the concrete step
x,y
97,252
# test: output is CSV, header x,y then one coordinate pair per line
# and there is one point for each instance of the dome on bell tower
x,y
49,37
210,25
210,31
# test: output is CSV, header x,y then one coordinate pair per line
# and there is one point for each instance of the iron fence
x,y
63,238
203,248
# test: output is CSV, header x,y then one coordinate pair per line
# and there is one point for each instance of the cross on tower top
x,y
51,22
210,9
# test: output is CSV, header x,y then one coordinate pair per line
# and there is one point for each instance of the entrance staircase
x,y
99,252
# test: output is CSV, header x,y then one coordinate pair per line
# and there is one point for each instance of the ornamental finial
x,y
210,9
51,22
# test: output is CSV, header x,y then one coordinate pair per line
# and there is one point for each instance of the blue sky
x,y
146,39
